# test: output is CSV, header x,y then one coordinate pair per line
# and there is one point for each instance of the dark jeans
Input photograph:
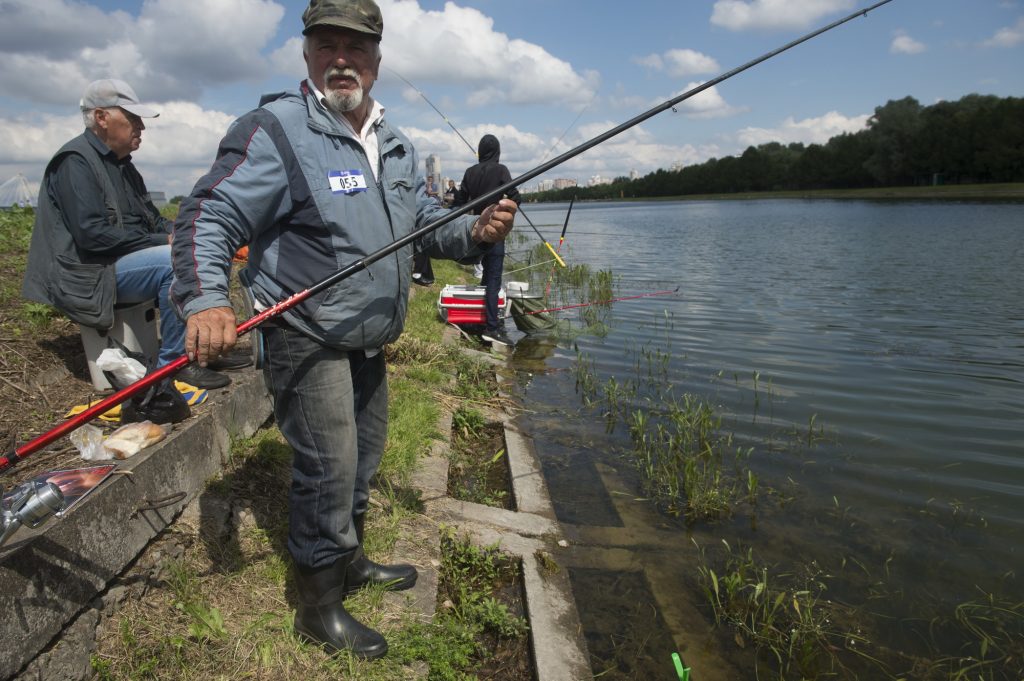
x,y
494,262
331,407
146,275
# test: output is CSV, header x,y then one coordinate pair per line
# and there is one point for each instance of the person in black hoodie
x,y
479,179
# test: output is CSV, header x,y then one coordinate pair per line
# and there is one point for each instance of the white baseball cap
x,y
110,92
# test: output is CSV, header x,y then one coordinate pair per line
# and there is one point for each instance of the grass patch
x,y
479,470
479,631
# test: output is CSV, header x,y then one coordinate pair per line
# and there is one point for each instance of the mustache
x,y
338,72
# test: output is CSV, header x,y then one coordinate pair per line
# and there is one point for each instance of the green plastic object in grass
x,y
682,672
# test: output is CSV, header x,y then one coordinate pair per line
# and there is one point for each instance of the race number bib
x,y
346,181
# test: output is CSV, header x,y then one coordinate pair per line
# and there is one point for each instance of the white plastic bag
x,y
125,369
88,439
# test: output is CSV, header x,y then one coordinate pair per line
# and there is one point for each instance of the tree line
x,y
978,139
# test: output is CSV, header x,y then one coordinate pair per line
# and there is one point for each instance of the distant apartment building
x,y
634,175
563,183
159,199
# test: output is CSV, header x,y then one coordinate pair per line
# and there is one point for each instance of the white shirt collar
x,y
366,137
373,119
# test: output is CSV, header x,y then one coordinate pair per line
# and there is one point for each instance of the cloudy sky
x,y
543,75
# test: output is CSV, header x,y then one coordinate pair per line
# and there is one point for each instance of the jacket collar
x,y
102,149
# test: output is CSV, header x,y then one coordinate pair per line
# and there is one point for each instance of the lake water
x,y
894,332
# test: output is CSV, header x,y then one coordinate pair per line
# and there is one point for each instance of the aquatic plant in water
x,y
785,618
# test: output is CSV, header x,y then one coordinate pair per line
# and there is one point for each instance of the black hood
x,y
489,149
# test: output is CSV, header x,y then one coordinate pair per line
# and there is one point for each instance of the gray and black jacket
x,y
271,188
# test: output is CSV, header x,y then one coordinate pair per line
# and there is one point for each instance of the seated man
x,y
98,239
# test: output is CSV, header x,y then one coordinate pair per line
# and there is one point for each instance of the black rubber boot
x,y
362,571
321,615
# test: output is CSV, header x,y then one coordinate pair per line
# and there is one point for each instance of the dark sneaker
x,y
202,377
498,337
422,281
229,362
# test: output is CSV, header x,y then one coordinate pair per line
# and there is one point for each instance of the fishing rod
x,y
604,302
541,236
561,240
566,225
40,441
450,124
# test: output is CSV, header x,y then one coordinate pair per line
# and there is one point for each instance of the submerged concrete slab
x,y
50,574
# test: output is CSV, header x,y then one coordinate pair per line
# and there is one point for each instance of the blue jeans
x,y
493,261
331,407
146,275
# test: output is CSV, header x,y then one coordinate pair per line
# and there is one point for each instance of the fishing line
x,y
529,267
558,141
604,302
450,124
282,306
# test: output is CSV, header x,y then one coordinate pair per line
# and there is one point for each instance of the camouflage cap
x,y
358,15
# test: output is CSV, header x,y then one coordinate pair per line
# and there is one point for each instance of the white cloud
x,y
1010,36
707,104
634,149
497,69
680,62
209,41
904,44
53,48
808,131
743,15
288,60
179,147
56,28
34,139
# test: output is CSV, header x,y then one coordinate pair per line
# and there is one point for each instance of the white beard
x,y
339,100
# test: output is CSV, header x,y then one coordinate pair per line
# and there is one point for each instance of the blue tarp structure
x,y
17,192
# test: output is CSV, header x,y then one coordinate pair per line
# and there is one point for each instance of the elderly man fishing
x,y
313,180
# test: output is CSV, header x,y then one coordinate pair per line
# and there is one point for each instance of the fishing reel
x,y
29,504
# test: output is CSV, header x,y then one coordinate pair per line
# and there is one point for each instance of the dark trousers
x,y
421,266
493,262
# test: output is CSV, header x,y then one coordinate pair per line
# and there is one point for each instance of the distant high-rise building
x,y
633,174
433,167
562,183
